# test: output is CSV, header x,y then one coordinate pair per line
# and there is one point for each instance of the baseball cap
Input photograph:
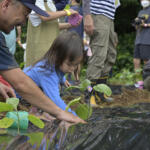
x,y
31,5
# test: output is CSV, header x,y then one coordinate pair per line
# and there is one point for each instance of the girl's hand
x,y
73,12
67,84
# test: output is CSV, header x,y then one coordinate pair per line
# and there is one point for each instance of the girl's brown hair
x,y
68,45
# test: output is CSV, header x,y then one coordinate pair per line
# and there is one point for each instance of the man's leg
x,y
111,54
99,46
137,63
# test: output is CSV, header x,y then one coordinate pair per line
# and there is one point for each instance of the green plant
x,y
126,77
82,86
86,85
10,105
83,110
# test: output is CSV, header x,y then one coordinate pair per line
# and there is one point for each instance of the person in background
x,y
11,39
42,31
64,55
99,25
13,13
142,42
76,5
60,4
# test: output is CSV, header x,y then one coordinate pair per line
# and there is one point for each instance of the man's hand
x,y
69,117
6,91
88,24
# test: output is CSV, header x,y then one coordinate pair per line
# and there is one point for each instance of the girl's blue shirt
x,y
49,81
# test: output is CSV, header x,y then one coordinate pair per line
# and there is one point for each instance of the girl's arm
x,y
57,14
50,86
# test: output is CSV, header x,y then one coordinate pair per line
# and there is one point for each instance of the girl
x,y
63,57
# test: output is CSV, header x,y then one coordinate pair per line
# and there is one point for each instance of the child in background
x,y
63,57
76,5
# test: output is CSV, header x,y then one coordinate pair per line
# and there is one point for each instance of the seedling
x,y
83,110
11,105
86,85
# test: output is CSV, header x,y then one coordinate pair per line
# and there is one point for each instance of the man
x,y
99,25
13,13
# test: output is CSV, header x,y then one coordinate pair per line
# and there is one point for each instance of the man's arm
x,y
88,21
29,91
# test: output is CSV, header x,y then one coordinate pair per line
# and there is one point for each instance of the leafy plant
x,y
86,85
126,77
82,86
83,110
10,105
103,88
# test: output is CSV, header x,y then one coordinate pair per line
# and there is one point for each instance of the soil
x,y
127,97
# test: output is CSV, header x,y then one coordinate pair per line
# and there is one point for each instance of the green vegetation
x,y
84,111
10,105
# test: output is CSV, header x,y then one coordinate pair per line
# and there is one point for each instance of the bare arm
x,y
29,91
57,14
88,21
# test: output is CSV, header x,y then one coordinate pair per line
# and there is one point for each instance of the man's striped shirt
x,y
105,7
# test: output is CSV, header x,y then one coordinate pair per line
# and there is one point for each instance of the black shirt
x,y
7,60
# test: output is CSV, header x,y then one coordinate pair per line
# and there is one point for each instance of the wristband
x,y
68,12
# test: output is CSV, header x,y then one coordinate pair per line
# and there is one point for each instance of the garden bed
x,y
122,124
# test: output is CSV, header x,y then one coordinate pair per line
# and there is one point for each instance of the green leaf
x,y
6,122
72,87
13,101
67,7
36,121
72,102
103,88
5,107
84,111
84,84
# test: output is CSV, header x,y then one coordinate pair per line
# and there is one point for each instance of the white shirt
x,y
34,18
